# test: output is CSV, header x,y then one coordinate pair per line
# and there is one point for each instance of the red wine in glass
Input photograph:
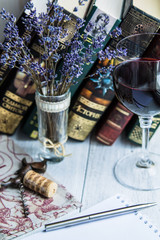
x,y
137,85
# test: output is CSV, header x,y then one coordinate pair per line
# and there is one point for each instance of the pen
x,y
96,216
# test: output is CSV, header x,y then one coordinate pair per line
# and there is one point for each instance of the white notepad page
x,y
125,227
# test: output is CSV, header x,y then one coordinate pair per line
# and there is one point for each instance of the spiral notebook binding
x,y
141,217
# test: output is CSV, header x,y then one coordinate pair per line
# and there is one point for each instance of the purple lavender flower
x,y
107,53
116,32
62,59
29,6
75,9
122,52
89,27
80,23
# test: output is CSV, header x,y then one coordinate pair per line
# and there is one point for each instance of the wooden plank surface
x,y
88,172
101,183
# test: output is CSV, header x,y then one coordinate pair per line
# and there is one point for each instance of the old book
x,y
137,18
134,131
95,13
96,16
88,108
17,92
113,123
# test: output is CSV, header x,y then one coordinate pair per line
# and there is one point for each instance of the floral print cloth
x,y
42,210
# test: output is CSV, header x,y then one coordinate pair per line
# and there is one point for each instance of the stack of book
x,y
91,104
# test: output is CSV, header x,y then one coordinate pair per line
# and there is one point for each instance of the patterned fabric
x,y
42,210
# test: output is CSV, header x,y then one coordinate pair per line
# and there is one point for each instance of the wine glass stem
x,y
145,124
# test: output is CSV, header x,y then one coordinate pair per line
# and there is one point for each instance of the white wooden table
x,y
88,172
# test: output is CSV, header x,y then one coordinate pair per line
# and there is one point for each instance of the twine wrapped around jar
x,y
52,124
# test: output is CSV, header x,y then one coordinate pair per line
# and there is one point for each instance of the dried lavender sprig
x,y
51,30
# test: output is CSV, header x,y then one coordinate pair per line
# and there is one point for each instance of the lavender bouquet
x,y
57,68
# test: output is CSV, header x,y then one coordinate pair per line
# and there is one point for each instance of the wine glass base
x,y
136,177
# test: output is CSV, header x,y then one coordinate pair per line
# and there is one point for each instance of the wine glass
x,y
136,80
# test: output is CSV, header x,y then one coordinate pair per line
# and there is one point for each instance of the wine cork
x,y
39,184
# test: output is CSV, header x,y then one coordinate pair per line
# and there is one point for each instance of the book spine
x,y
17,92
136,21
88,108
114,123
113,23
16,100
134,132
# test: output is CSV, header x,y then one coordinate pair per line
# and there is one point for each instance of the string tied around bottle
x,y
58,147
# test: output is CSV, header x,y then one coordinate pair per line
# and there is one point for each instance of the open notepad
x,y
132,226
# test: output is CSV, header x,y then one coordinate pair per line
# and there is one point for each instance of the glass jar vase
x,y
52,112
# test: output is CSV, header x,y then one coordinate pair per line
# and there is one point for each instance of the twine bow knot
x,y
56,147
